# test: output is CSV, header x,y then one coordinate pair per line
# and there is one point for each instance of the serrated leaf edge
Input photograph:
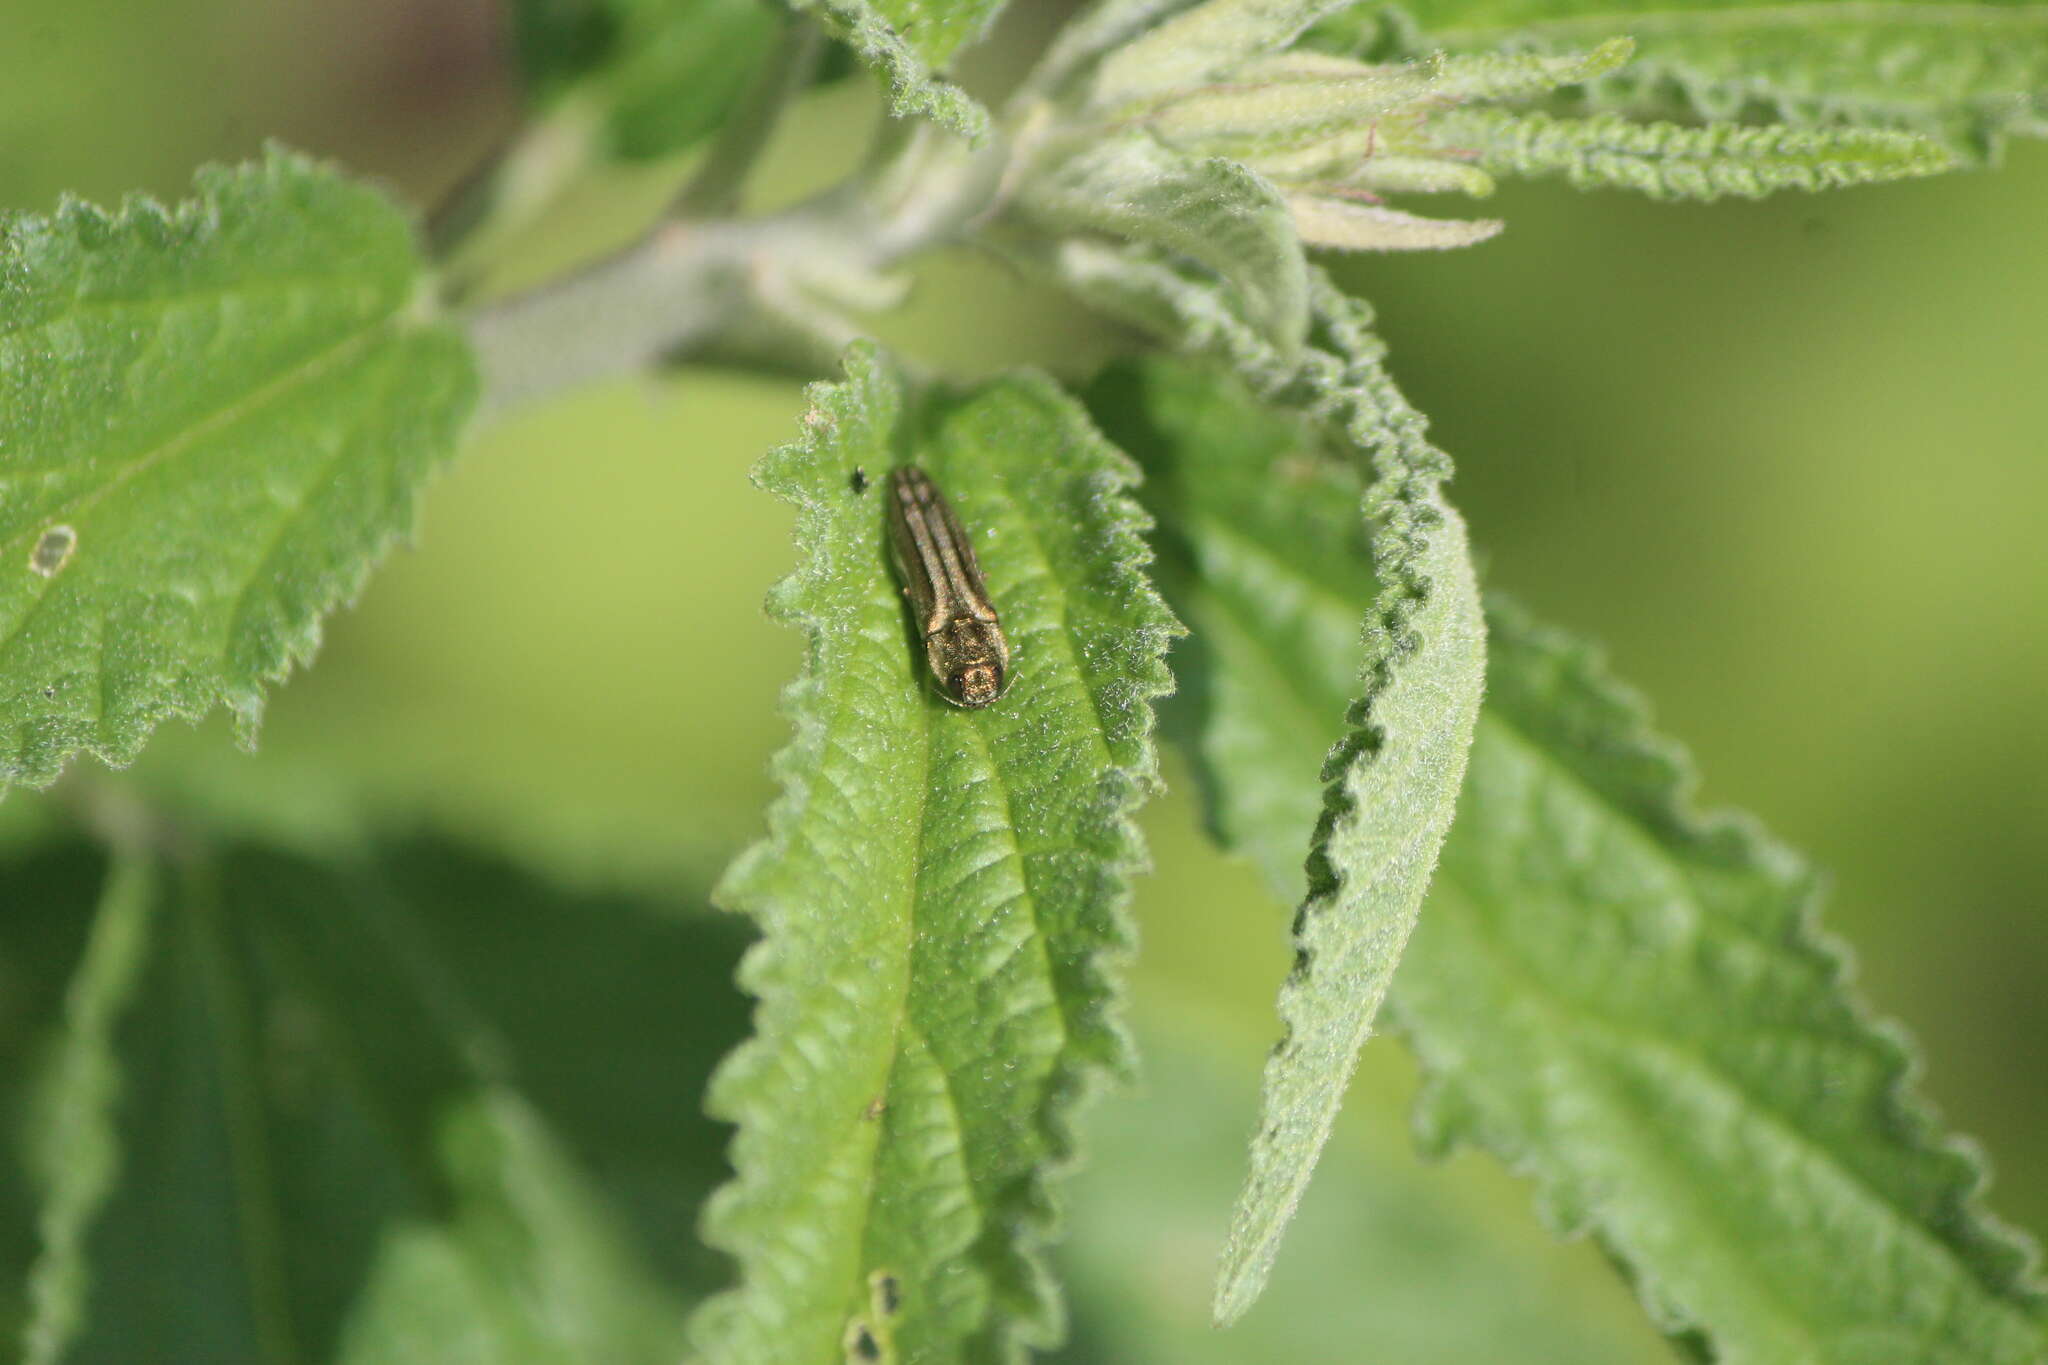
x,y
1664,807
1404,501
915,88
1098,1048
146,216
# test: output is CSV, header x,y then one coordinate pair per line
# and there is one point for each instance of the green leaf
x,y
654,75
317,1149
213,421
79,1154
1629,1001
52,884
1234,501
530,1268
1211,210
1615,995
1347,225
1448,1281
1278,106
1195,44
1966,74
1090,34
942,892
1264,553
1331,129
910,40
1963,74
1458,17
1666,161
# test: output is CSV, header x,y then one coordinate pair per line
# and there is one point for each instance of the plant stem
x,y
513,186
687,285
714,191
670,290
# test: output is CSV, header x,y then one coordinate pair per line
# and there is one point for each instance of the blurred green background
x,y
1785,459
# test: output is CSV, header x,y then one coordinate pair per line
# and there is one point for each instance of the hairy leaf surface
x,y
1394,774
1666,161
942,892
1211,210
213,421
281,1130
909,41
1459,16
1200,42
656,75
1963,74
1630,1002
1618,997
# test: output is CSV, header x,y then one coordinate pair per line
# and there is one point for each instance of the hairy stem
x,y
687,285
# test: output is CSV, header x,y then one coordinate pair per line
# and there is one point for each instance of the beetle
x,y
963,637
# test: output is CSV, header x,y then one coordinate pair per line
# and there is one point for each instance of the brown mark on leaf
x,y
861,1346
886,1292
53,550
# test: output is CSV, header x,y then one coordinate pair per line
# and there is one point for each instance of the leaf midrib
x,y
249,401
192,436
1056,625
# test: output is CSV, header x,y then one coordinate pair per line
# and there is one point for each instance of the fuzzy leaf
x,y
1393,777
1963,74
1966,74
1270,112
1666,161
659,74
213,421
1095,31
1295,100
1195,44
1520,75
287,1143
1616,996
1309,120
1629,1001
1458,18
1347,225
942,892
1264,553
1212,211
910,40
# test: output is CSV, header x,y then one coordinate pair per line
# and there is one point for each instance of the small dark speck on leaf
x,y
860,479
861,1345
53,550
888,1293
